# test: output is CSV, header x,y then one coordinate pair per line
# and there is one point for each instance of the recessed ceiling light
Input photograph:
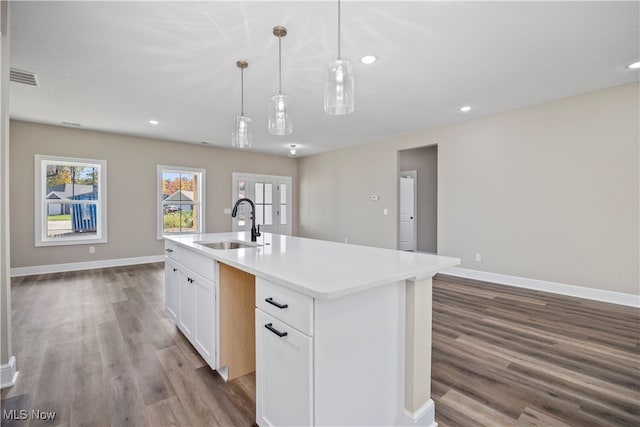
x,y
634,66
369,59
465,108
292,150
153,122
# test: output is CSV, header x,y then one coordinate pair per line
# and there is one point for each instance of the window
x,y
71,197
181,206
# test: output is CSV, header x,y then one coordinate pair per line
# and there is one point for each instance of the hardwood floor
x,y
507,356
96,347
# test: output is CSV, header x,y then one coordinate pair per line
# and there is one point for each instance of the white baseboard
x,y
425,416
8,373
542,285
89,265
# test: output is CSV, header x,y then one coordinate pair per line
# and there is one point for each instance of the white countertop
x,y
318,268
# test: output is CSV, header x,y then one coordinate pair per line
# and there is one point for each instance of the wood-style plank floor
x,y
96,347
505,356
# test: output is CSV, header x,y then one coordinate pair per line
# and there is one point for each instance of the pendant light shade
x,y
241,136
279,121
339,90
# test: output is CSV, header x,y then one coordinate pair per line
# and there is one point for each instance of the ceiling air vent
x,y
24,77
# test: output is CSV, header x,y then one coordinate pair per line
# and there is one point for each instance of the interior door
x,y
407,240
272,198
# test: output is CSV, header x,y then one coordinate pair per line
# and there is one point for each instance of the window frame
x,y
41,205
160,206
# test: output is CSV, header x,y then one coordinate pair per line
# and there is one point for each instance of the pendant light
x,y
339,88
279,121
241,136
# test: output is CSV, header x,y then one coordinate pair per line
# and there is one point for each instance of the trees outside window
x,y
180,200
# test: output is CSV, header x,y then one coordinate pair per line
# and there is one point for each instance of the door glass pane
x,y
260,215
283,214
242,216
268,193
268,214
241,189
259,192
283,194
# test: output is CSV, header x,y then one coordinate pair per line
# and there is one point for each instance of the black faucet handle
x,y
258,232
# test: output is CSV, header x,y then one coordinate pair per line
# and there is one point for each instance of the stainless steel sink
x,y
227,245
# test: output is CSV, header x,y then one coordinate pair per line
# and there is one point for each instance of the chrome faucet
x,y
254,232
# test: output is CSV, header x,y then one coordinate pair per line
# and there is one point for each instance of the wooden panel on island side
x,y
237,321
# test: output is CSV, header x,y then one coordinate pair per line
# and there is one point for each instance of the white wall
x,y
549,192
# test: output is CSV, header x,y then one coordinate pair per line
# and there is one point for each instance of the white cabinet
x,y
340,362
190,297
284,356
172,289
187,318
205,319
284,375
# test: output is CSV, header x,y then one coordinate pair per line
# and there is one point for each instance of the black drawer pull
x,y
175,269
168,250
270,327
272,302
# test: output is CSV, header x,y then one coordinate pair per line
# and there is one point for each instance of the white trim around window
x,y
196,204
79,201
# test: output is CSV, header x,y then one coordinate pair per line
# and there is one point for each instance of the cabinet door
x,y
187,315
283,374
205,323
171,290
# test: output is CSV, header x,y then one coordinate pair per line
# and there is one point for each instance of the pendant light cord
x,y
339,39
279,65
242,91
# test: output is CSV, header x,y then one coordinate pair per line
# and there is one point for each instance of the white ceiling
x,y
112,66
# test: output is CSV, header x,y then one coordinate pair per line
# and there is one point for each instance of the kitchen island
x,y
341,333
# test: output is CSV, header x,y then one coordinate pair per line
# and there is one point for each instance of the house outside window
x,y
181,204
70,201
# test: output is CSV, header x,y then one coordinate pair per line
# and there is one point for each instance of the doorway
x,y
418,168
272,198
408,233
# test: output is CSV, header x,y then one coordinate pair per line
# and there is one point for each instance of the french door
x,y
272,198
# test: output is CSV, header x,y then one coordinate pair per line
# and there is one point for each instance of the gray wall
x,y
131,187
549,192
424,161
